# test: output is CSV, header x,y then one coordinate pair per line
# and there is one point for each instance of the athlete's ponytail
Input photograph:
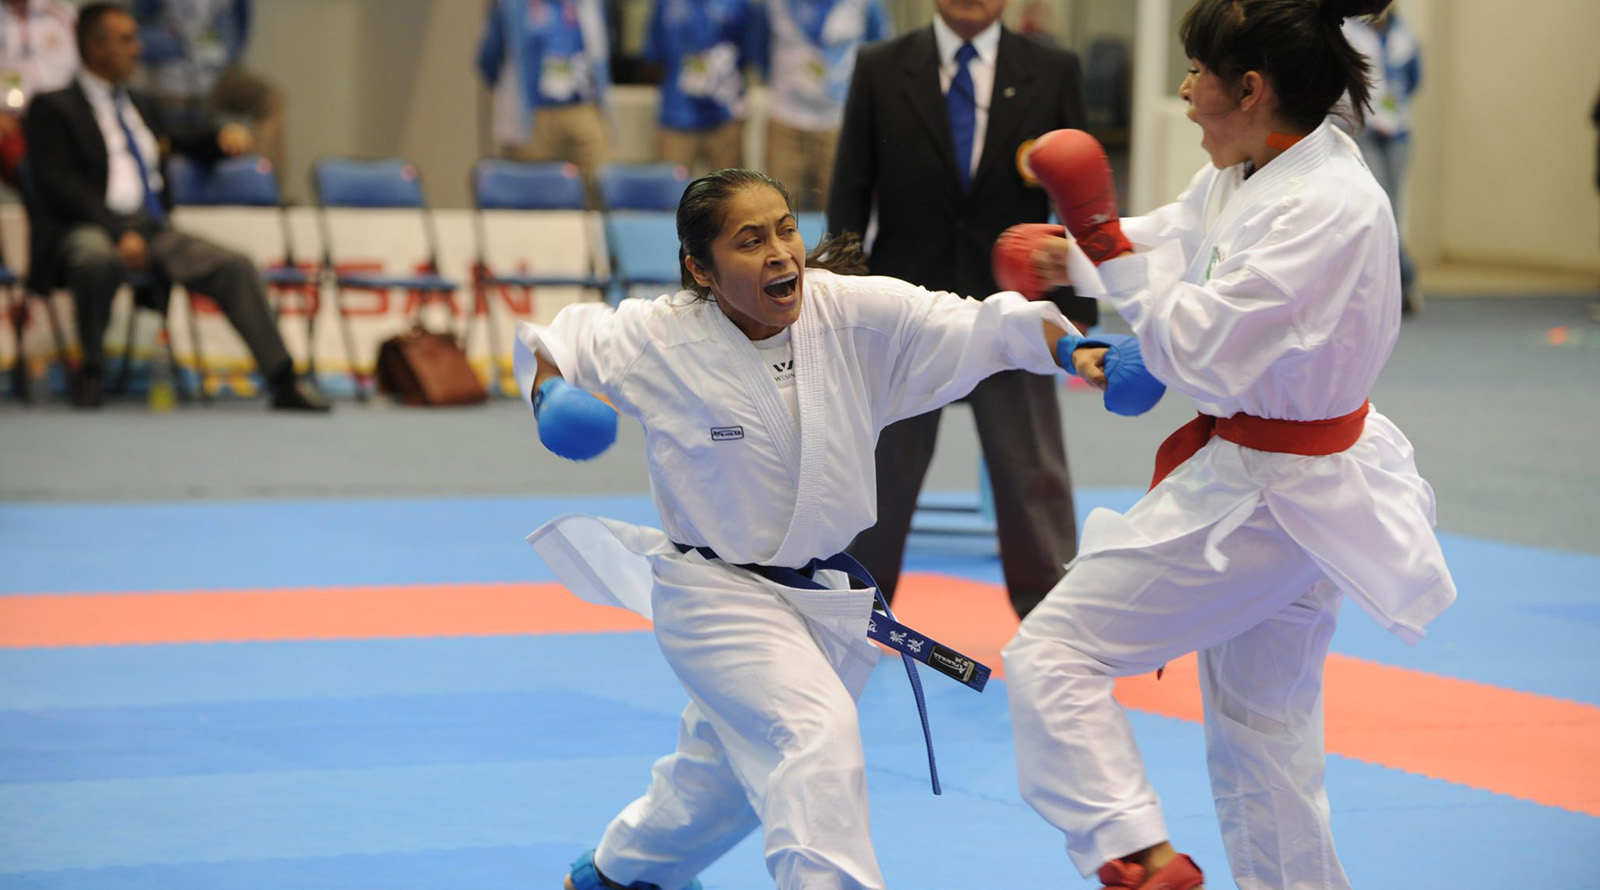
x,y
1298,45
839,253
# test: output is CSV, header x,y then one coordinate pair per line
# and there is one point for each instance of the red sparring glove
x,y
1012,258
1073,169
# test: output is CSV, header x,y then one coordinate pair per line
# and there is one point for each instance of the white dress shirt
x,y
124,182
981,68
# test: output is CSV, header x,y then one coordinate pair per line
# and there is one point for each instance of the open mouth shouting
x,y
783,287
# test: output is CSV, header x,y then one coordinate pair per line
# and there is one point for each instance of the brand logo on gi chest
x,y
726,433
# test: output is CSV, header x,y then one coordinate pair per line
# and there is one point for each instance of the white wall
x,y
376,78
1505,151
305,46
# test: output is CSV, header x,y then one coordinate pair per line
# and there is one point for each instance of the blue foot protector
x,y
584,876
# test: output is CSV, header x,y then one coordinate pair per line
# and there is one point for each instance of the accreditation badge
x,y
558,81
12,96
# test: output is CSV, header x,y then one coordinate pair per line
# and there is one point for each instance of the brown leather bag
x,y
422,367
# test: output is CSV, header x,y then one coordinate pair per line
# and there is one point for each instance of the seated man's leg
x,y
231,280
93,272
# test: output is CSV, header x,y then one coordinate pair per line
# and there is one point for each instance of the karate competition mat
x,y
391,692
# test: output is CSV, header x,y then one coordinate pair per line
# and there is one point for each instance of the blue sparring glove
x,y
1069,344
1130,389
573,424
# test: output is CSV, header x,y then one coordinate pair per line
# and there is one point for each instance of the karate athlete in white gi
x,y
1269,293
761,387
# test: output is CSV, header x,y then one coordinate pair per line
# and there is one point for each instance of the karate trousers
x,y
1260,614
770,738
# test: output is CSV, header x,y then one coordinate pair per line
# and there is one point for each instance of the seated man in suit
x,y
100,211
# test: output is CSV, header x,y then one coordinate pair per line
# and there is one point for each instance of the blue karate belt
x,y
881,626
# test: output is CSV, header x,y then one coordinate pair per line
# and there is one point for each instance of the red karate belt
x,y
1308,437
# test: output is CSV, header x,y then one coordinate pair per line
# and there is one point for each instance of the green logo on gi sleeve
x,y
1216,255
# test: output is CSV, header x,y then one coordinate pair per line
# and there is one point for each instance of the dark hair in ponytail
x,y
701,214
1296,44
841,253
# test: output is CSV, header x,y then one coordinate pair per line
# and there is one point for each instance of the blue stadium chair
x,y
653,187
813,226
247,180
363,185
251,181
499,184
502,189
641,204
644,253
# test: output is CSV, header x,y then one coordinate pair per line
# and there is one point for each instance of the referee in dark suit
x,y
929,144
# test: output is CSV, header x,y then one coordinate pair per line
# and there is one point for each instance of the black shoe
x,y
88,390
300,396
20,390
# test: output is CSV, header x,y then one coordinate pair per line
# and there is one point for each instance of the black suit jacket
x,y
896,151
68,167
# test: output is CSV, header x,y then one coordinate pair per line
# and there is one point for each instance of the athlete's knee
x,y
1035,661
1030,650
821,717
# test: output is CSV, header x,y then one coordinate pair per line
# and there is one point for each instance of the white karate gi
x,y
770,736
1277,296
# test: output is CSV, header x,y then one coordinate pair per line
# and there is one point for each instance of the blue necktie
x,y
959,101
152,201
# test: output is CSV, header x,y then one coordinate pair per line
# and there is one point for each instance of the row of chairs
x,y
640,239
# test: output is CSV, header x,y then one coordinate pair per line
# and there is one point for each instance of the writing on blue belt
x,y
967,671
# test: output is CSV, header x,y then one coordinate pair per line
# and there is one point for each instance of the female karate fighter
x,y
1269,293
762,387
